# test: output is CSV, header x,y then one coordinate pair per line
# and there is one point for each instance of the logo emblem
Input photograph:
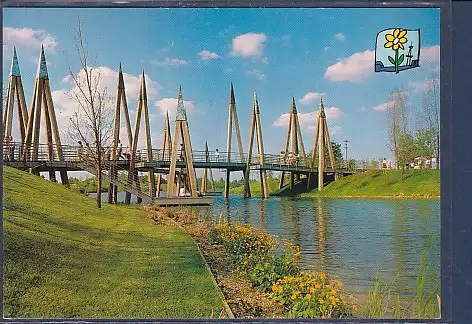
x,y
397,49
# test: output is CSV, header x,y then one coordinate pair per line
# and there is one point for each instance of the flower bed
x,y
304,295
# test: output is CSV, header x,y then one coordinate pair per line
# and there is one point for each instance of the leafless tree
x,y
91,122
397,120
431,112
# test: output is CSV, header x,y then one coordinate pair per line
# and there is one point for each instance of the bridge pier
x,y
232,115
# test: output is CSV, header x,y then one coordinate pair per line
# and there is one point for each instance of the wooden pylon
x,y
182,140
323,134
133,173
42,99
256,126
15,90
232,116
204,185
120,103
166,150
293,143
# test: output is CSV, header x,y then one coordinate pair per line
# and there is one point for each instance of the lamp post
x,y
345,147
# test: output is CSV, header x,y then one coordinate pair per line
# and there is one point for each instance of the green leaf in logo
x,y
400,59
391,60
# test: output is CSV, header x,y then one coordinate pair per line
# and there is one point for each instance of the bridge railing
x,y
14,151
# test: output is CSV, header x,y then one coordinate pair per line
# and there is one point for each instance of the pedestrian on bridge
x,y
80,150
120,150
217,155
290,158
283,157
12,149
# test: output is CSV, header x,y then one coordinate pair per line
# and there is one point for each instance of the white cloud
x,y
383,106
207,55
430,53
247,45
170,62
340,36
65,105
257,73
27,42
419,85
310,97
335,130
170,105
309,119
355,68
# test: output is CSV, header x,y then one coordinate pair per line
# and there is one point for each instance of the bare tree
x,y
431,112
91,122
397,120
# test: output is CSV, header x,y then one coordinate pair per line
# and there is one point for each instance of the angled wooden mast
x,y
232,116
165,154
133,175
256,126
204,185
42,100
115,156
15,91
294,141
324,139
181,142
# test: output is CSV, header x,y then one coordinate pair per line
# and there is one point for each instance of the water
x,y
349,238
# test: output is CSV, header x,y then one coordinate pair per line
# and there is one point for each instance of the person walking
x,y
217,155
282,157
384,163
12,149
80,150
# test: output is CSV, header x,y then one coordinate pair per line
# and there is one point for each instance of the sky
x,y
306,53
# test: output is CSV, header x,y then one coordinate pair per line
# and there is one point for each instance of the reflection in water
x,y
400,246
349,238
321,234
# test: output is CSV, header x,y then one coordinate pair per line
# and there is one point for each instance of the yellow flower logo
x,y
396,39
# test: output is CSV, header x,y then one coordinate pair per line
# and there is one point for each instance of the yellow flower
x,y
321,301
302,284
317,286
312,289
294,296
275,287
396,39
308,296
322,276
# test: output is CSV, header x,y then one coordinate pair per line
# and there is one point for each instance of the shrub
x,y
311,295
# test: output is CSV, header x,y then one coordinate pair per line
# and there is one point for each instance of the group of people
x,y
289,158
9,149
386,165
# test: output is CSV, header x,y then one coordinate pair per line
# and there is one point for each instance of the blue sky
x,y
277,52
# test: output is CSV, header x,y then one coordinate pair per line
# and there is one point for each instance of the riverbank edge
x,y
314,195
226,307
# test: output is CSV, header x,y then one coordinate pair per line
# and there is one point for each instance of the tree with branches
x,y
91,121
397,121
431,112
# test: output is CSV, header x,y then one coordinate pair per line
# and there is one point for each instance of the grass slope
x,y
415,183
63,257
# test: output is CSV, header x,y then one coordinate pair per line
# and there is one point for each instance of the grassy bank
x,y
63,257
255,187
384,183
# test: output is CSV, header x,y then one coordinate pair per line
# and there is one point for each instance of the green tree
x,y
407,150
338,156
425,142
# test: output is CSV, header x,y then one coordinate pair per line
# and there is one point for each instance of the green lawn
x,y
63,257
255,187
384,183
